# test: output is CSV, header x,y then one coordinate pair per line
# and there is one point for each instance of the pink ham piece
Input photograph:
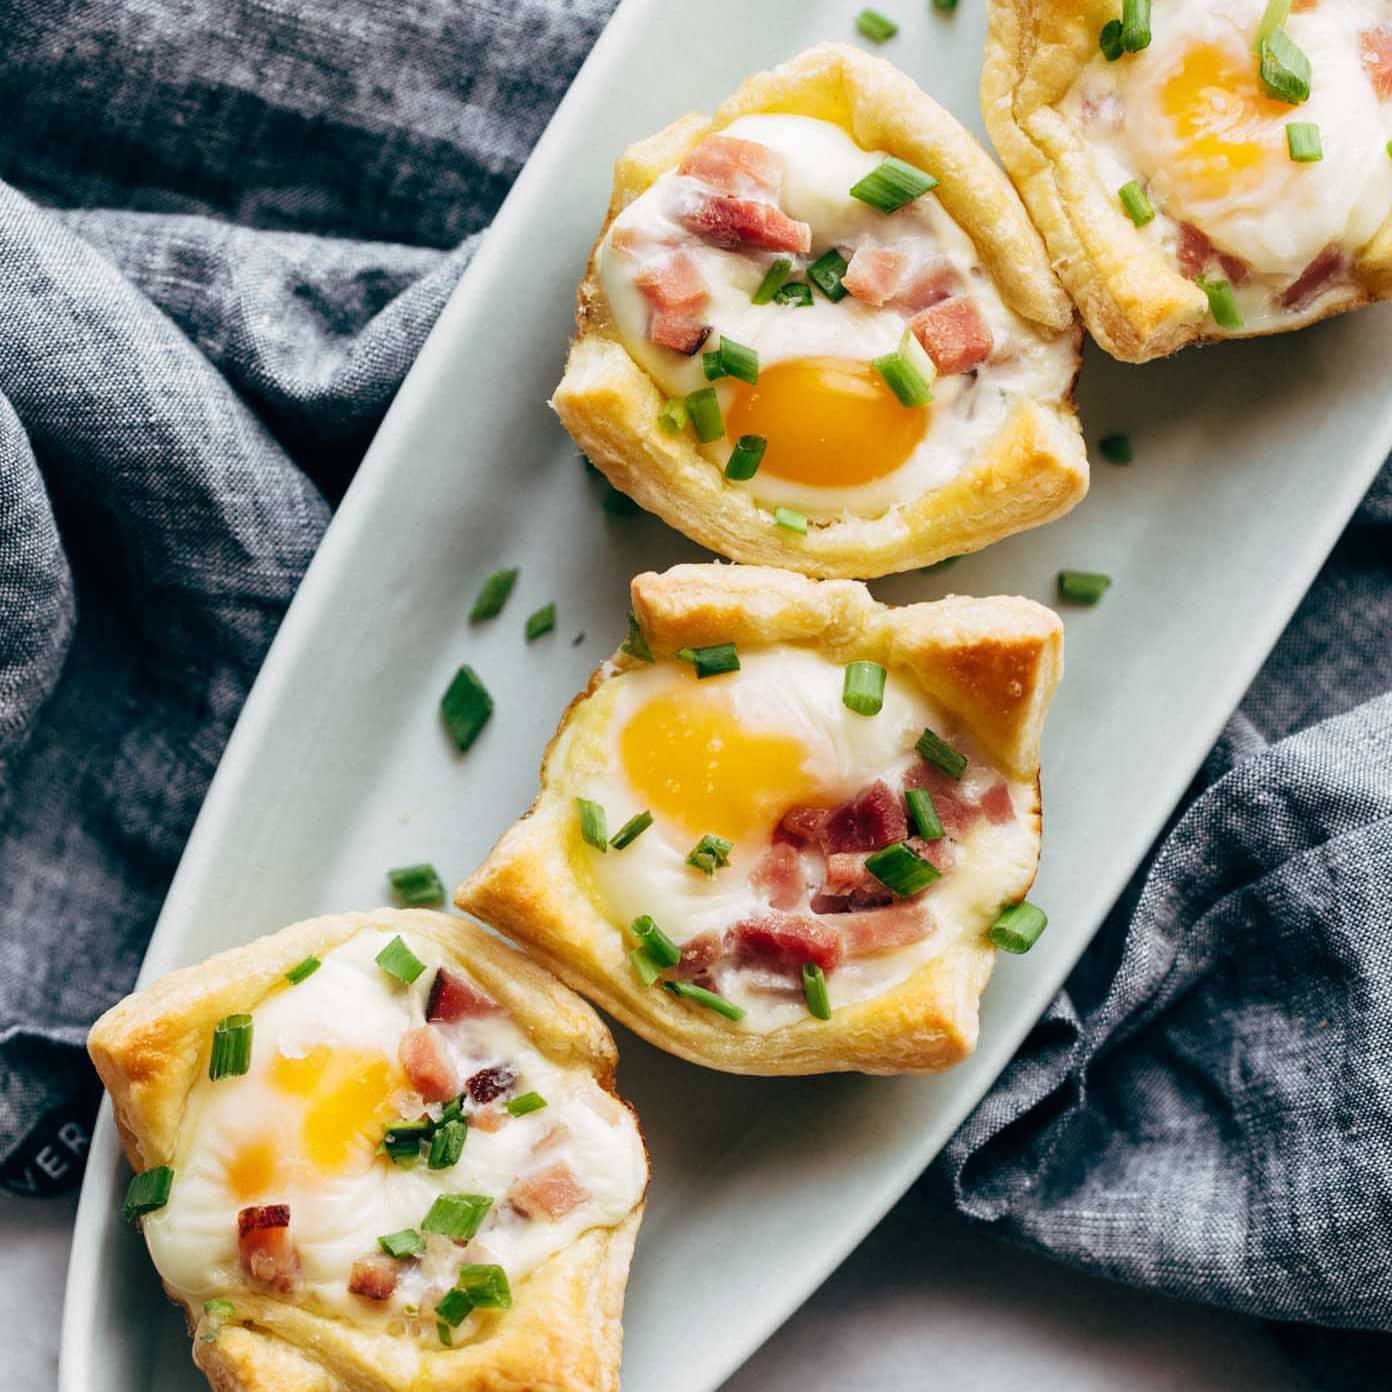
x,y
869,894
550,1193
267,1253
488,1119
728,165
1375,48
488,1084
881,276
374,1277
996,803
735,222
885,929
426,1064
1313,279
1195,251
453,998
677,295
802,826
784,942
699,954
870,820
845,870
778,874
954,335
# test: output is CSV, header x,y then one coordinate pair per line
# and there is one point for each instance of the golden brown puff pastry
x,y
768,799
956,279
1224,208
467,1116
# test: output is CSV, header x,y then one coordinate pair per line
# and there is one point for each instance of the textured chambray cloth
x,y
225,230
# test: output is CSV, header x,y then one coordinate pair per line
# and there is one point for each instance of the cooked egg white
x,y
839,442
302,1128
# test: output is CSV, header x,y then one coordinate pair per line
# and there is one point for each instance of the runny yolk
x,y
252,1169
1220,118
690,761
347,1095
829,422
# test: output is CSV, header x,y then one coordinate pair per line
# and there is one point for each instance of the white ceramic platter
x,y
1250,459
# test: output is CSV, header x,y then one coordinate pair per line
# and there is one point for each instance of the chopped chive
x,y
528,1102
594,825
704,409
219,1309
1388,147
1116,449
618,504
773,280
417,885
231,1054
447,1144
1222,303
891,185
814,988
406,1243
453,1110
301,970
485,1285
904,379
795,292
862,688
1137,205
746,457
790,520
947,6
712,366
1135,25
938,751
635,645
402,1140
1303,142
1284,70
875,26
465,708
457,1216
631,830
657,944
541,621
494,594
1109,40
901,869
1273,17
443,1330
711,661
1082,586
146,1192
396,959
710,853
709,999
739,362
826,272
645,967
454,1307
924,814
673,417
1018,927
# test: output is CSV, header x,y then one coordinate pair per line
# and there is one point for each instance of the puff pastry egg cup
x,y
769,759
999,449
268,1235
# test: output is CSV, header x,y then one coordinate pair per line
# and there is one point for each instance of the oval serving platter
x,y
1249,460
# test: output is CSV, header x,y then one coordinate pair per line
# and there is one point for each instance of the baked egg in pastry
x,y
379,1151
818,330
778,830
1199,170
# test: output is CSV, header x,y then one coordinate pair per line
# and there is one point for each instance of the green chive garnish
x,y
541,621
1017,928
1116,449
1285,70
1109,40
1303,142
815,989
746,457
904,379
709,999
443,1330
1273,17
1222,303
219,1309
654,941
739,362
396,959
826,272
1135,25
402,1140
1082,586
773,280
924,814
875,26
938,751
673,417
710,853
486,1286
862,688
300,970
795,292
406,1243
528,1102
945,5
790,520
447,1144
645,966
146,1192
457,1216
635,645
631,830
1137,205
712,366
594,825
418,886
231,1047
901,869
711,661
465,708
890,186
454,1308
491,598
704,409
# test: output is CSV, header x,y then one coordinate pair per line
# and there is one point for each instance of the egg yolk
x,y
829,422
347,1095
690,760
1221,119
252,1169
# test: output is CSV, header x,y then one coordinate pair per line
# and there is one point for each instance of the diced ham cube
x,y
785,942
802,826
733,166
844,872
488,1084
427,1065
674,282
1314,279
927,285
452,998
940,854
489,1119
1193,251
996,803
699,954
869,894
373,1277
954,335
883,276
550,1193
268,1255
735,222
1375,47
864,933
778,873
679,332
872,819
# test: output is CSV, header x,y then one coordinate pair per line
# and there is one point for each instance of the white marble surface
x,y
923,1301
